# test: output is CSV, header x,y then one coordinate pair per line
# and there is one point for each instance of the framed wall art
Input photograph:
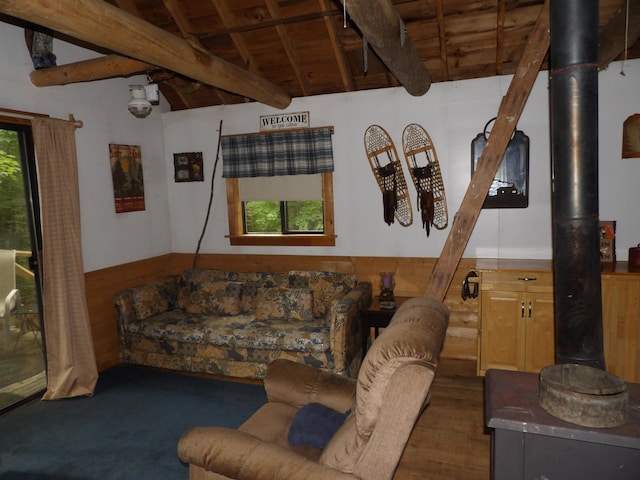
x,y
631,137
188,167
510,186
126,172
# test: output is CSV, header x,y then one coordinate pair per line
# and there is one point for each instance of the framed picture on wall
x,y
510,186
188,167
631,137
126,172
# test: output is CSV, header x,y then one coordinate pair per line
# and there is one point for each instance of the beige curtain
x,y
71,361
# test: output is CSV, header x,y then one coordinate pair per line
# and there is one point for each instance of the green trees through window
x,y
283,217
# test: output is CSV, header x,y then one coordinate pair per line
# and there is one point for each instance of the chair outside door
x,y
9,294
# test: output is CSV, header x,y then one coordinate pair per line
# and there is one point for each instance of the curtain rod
x,y
29,115
269,132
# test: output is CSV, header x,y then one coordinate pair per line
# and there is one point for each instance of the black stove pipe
x,y
575,206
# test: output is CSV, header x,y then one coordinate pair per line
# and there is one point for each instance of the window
x,y
280,187
283,221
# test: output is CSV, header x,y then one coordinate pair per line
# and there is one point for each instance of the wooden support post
x,y
508,115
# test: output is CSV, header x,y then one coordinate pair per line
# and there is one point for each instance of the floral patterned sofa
x,y
236,323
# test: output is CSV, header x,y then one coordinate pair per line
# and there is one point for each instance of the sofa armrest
x,y
345,324
297,384
239,455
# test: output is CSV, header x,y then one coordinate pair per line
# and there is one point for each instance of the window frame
x,y
236,222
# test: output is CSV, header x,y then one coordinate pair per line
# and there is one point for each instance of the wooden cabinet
x,y
621,325
516,328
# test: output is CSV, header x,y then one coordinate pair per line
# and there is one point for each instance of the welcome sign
x,y
283,121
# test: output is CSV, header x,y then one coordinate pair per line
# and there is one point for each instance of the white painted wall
x,y
453,113
107,238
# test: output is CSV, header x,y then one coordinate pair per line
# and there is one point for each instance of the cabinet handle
x,y
522,309
530,307
527,279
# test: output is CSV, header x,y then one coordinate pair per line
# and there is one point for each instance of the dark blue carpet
x,y
129,429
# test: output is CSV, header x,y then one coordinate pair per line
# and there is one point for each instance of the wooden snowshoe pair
x,y
422,162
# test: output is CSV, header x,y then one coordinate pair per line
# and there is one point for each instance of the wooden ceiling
x,y
307,47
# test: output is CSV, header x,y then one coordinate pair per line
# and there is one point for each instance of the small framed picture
x,y
188,167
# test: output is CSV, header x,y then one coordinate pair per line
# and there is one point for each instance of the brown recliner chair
x,y
390,393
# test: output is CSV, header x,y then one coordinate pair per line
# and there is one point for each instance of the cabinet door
x,y
502,330
540,332
621,325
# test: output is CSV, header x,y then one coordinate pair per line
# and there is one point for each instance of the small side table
x,y
377,318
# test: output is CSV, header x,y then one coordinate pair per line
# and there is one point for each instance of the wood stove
x,y
529,443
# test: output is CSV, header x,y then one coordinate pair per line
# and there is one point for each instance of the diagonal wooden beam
x,y
508,115
380,24
107,26
612,35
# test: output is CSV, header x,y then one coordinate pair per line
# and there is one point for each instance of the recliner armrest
x,y
239,455
297,385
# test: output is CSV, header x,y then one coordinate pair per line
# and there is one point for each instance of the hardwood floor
x,y
449,441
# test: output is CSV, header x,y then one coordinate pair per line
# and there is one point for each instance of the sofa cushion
x,y
253,281
148,301
278,303
314,425
327,287
193,280
216,298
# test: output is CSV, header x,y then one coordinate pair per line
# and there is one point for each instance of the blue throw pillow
x,y
314,425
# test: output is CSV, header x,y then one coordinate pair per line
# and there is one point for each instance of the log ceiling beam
x,y
109,66
96,22
508,115
381,26
612,35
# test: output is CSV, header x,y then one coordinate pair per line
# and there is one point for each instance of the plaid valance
x,y
296,152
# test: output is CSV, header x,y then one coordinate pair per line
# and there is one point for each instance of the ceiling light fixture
x,y
139,106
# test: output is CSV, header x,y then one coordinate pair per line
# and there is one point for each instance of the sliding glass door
x,y
22,354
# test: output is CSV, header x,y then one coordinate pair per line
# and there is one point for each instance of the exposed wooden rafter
x,y
442,36
500,37
348,82
95,22
274,11
612,35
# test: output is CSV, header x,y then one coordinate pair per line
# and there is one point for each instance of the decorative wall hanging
x,y
631,137
188,167
422,162
383,159
128,184
293,152
510,186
